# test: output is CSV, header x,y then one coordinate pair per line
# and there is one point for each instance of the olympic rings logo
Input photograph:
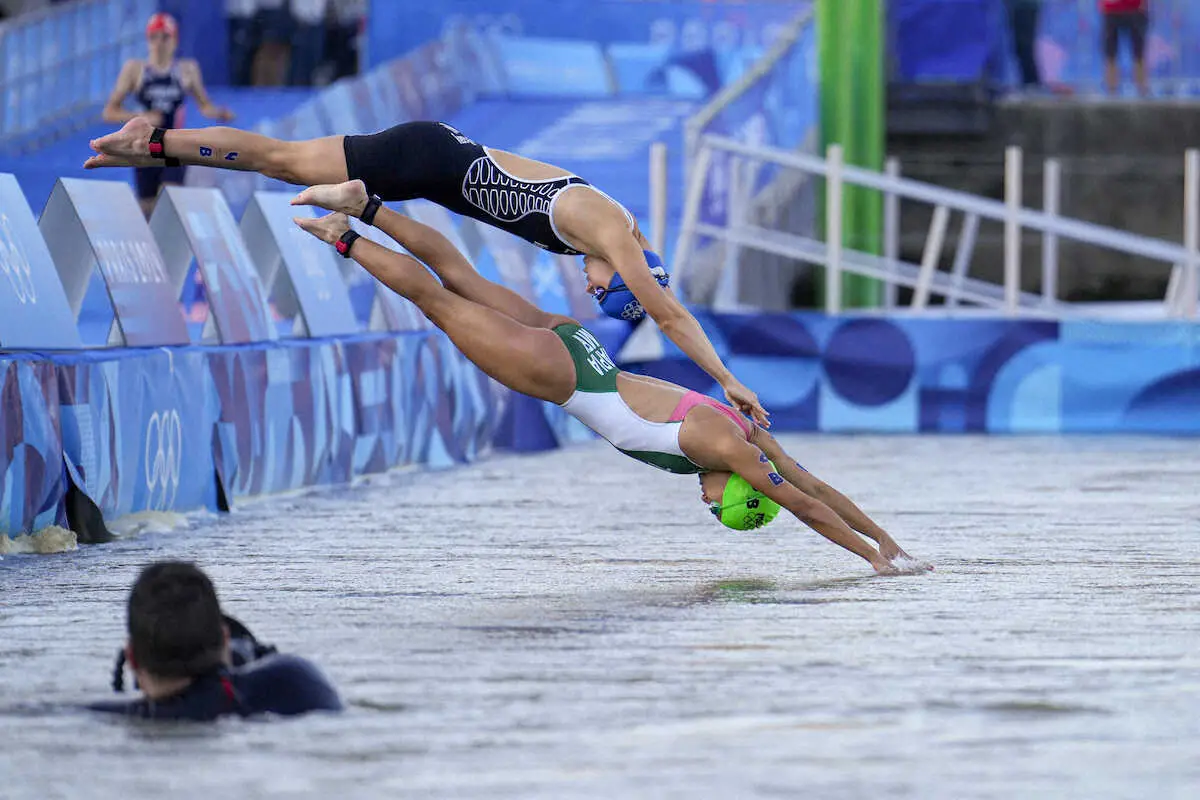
x,y
164,459
632,311
15,265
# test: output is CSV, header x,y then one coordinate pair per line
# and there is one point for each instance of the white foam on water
x,y
44,542
911,566
148,522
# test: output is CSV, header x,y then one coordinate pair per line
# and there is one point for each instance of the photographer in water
x,y
193,663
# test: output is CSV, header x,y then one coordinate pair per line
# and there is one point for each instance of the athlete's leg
x,y
459,276
435,250
306,162
532,361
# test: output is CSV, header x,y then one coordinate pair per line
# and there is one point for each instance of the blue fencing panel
x,y
554,67
681,25
298,264
286,417
641,68
32,481
137,429
943,40
57,66
34,312
197,224
99,223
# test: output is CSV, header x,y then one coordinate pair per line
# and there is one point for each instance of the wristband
x,y
371,209
344,244
156,147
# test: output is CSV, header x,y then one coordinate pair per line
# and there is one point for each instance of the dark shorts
x,y
1134,24
149,179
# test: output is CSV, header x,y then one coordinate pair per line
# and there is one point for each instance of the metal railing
x,y
58,65
925,279
775,102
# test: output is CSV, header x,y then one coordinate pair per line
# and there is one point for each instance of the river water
x,y
576,625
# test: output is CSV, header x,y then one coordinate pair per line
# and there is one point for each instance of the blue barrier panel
x,y
944,40
33,306
554,67
137,428
935,375
286,417
156,429
99,223
32,482
197,224
298,264
57,65
680,25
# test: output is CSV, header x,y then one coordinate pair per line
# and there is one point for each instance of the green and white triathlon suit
x,y
597,404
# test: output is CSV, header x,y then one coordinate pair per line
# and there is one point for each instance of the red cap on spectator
x,y
162,23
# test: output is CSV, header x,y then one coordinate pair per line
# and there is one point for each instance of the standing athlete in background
x,y
541,203
159,85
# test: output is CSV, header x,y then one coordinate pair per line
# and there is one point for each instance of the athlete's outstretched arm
x,y
306,162
621,249
712,440
813,486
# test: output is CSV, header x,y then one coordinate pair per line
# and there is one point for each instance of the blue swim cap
x,y
619,303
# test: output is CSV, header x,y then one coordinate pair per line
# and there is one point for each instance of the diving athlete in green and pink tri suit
x,y
745,475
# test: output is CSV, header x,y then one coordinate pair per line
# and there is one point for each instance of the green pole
x,y
873,130
850,39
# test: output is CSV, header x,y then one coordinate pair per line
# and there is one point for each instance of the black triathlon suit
x,y
435,162
160,91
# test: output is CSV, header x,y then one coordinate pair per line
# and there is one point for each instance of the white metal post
x,y
1012,229
691,214
1051,189
891,232
833,230
962,258
1191,231
691,145
658,196
728,294
929,261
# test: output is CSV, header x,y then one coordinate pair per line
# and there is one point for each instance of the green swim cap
x,y
743,507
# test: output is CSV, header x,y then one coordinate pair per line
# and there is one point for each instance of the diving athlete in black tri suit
x,y
539,202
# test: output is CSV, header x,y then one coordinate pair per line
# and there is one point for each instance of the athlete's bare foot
x,y
128,147
328,228
347,198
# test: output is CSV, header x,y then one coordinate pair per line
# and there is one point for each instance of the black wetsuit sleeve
x,y
277,684
127,708
286,685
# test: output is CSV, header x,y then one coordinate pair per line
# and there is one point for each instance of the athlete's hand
x,y
328,228
890,550
884,567
746,401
